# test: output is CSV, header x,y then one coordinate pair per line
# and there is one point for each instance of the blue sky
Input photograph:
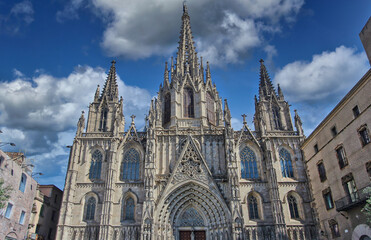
x,y
54,53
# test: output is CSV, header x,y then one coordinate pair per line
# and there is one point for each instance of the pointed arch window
x,y
90,209
103,120
210,108
167,108
128,209
188,103
276,118
286,164
249,166
130,165
293,206
95,165
253,207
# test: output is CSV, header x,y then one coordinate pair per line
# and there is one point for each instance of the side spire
x,y
110,89
166,76
265,86
186,56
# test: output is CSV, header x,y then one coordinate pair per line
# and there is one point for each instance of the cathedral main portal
x,y
192,235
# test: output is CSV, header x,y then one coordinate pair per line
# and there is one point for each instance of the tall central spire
x,y
265,86
187,55
110,89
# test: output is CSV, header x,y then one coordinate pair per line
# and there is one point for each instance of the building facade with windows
x,y
45,213
16,173
188,175
337,155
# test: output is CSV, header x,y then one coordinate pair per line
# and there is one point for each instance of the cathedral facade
x,y
189,174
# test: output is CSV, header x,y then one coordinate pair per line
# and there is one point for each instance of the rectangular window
x,y
368,168
355,111
327,197
21,218
42,211
55,198
350,188
334,229
53,216
8,211
334,131
315,148
38,226
365,138
50,233
321,171
22,184
340,153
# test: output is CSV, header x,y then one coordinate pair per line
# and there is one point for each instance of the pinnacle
x,y
110,87
265,86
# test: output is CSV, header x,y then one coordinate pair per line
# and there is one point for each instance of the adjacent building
x,y
365,36
338,159
16,171
188,175
45,213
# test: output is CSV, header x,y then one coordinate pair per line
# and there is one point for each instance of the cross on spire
x,y
244,118
132,119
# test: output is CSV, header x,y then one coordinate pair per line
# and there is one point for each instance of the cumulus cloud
x,y
327,76
224,31
46,109
318,85
21,14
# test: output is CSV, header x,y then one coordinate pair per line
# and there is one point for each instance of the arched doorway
x,y
193,212
191,225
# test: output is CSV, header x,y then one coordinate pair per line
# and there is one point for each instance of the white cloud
x,y
20,15
223,30
328,76
40,114
315,87
24,10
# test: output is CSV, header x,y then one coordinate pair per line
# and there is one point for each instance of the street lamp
x,y
37,173
5,143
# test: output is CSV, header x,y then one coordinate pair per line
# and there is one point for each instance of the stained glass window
x,y
130,165
253,207
188,103
293,206
95,165
128,209
286,164
167,108
90,209
249,166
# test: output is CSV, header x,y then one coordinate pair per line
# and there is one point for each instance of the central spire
x,y
265,86
187,55
110,87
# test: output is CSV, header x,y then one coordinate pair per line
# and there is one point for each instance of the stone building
x,y
365,36
188,175
16,172
337,155
45,213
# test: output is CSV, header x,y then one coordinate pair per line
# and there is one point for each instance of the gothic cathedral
x,y
188,175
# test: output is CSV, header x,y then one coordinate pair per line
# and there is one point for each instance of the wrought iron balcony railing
x,y
352,200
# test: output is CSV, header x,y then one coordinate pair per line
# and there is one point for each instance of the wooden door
x,y
200,235
185,235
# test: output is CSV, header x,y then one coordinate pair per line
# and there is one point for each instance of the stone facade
x,y
188,174
337,155
16,173
45,213
365,36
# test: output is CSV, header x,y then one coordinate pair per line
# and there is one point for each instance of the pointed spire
x,y
97,92
166,75
265,86
202,70
244,119
208,75
172,68
186,56
227,113
298,124
110,89
280,94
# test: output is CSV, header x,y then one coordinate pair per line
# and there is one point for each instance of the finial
x,y
132,119
185,9
113,62
244,118
261,61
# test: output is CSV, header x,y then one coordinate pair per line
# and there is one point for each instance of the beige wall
x,y
347,126
11,172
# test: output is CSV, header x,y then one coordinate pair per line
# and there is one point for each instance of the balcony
x,y
352,200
